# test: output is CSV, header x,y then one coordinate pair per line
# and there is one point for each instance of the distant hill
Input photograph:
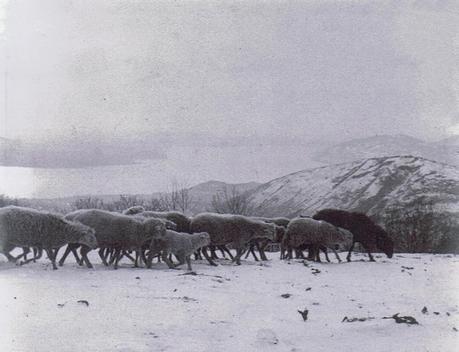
x,y
202,193
368,185
446,150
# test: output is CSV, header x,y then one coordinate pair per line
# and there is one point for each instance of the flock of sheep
x,y
149,235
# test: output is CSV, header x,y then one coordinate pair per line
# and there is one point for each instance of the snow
x,y
232,308
391,180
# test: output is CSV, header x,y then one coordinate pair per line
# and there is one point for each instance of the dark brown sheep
x,y
364,230
181,220
237,230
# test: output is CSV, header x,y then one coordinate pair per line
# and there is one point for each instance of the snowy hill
x,y
368,185
445,150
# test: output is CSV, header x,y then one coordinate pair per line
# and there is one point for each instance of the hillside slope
x,y
446,150
368,185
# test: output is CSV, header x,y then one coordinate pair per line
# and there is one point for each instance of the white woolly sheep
x,y
307,231
237,230
25,227
118,231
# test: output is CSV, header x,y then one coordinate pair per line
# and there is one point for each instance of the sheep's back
x,y
30,227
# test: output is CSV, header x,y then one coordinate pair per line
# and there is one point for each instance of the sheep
x,y
182,245
25,227
364,230
316,233
281,225
225,229
179,219
118,231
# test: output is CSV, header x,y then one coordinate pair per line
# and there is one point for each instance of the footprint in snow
x,y
267,336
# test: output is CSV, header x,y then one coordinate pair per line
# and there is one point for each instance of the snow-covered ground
x,y
232,308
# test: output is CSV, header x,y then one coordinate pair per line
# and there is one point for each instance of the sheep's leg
x,y
212,252
348,258
10,258
299,254
181,259
84,256
188,262
153,254
370,256
227,251
25,251
336,254
317,253
206,255
37,253
252,250
324,249
75,254
136,262
118,255
127,254
143,256
167,261
114,254
197,255
239,253
52,257
102,256
222,251
66,253
249,251
261,250
108,253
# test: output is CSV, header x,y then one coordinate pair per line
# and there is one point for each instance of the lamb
x,y
316,233
182,245
225,229
364,230
26,227
118,231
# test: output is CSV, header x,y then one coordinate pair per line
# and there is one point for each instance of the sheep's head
x,y
268,231
86,235
280,232
204,239
170,225
155,227
385,243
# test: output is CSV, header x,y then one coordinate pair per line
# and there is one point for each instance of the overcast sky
x,y
272,70
332,69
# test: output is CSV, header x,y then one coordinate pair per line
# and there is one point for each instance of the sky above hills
x,y
108,82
